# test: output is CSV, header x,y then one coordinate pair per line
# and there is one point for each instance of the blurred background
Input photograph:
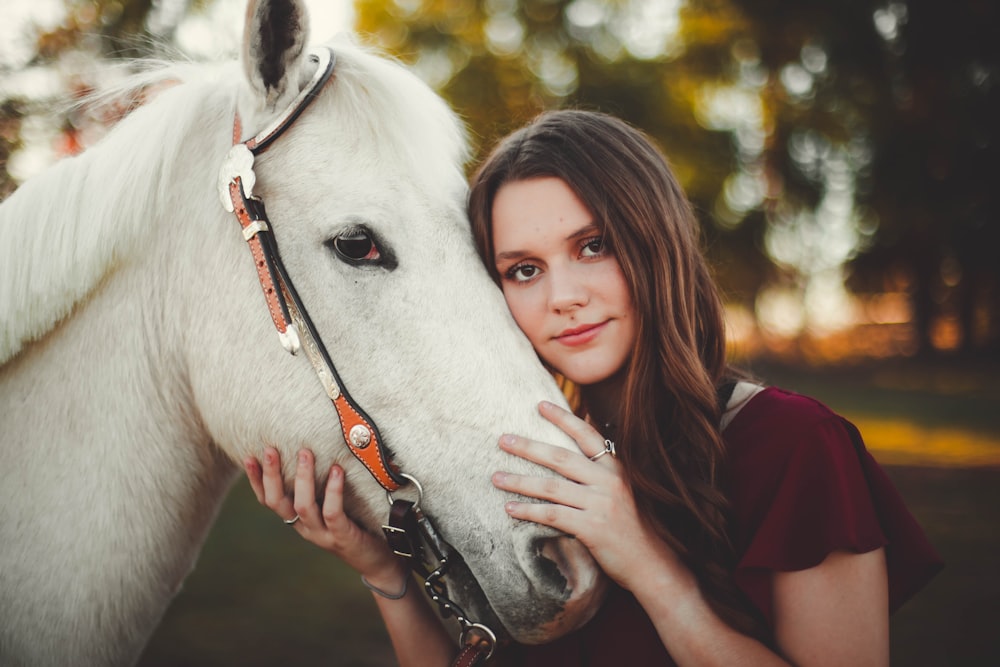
x,y
844,159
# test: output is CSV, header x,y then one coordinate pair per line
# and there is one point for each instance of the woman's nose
x,y
567,291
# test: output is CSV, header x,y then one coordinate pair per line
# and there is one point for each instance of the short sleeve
x,y
804,487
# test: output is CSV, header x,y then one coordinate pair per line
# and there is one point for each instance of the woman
x,y
741,524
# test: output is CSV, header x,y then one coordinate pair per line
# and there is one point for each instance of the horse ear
x,y
273,46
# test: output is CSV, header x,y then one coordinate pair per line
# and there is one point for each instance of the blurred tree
x,y
914,88
812,134
937,165
499,62
822,141
11,113
89,30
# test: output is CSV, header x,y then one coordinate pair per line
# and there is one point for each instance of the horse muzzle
x,y
563,563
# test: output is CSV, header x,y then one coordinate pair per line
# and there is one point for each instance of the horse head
x,y
139,363
365,193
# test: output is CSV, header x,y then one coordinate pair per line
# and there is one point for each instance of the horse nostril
x,y
567,565
553,567
570,574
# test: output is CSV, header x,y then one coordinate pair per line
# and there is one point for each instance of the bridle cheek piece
x,y
295,329
409,532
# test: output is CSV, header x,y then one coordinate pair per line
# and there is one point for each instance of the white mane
x,y
67,228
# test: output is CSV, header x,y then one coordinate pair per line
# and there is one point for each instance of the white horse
x,y
140,364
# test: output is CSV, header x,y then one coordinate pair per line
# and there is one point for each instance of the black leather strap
x,y
402,531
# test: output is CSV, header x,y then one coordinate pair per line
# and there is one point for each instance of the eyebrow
x,y
586,230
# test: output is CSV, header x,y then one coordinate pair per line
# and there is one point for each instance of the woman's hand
x,y
594,502
330,528
414,629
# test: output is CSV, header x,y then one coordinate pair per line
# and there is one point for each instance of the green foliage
x,y
89,28
903,96
764,107
11,114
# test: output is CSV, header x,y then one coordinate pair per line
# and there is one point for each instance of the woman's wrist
x,y
663,579
388,581
388,595
672,596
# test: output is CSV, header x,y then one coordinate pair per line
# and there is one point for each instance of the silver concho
x,y
360,436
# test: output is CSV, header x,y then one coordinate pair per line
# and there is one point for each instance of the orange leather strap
x,y
289,317
268,281
364,443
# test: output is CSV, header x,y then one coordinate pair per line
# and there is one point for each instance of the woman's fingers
x,y
563,461
305,490
587,501
333,499
274,486
334,517
591,442
560,517
255,477
328,528
553,489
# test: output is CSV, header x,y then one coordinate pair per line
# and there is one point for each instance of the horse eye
x,y
356,245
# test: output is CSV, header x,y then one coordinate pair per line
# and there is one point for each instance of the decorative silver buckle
x,y
238,164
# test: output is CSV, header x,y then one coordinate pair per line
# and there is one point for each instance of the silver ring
x,y
289,522
609,448
488,637
420,491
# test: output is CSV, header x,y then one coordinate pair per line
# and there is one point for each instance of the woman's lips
x,y
580,335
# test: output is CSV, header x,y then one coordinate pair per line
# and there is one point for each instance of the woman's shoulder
x,y
765,404
774,423
789,455
802,485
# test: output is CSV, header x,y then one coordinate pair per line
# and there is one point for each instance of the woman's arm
x,y
418,638
833,614
836,613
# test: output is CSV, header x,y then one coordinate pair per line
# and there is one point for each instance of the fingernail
x,y
303,459
499,478
545,405
507,439
335,471
510,507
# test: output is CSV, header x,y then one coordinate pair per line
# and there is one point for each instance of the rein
x,y
409,532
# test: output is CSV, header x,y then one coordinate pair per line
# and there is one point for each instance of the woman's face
x,y
565,290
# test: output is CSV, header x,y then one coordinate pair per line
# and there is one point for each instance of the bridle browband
x,y
409,532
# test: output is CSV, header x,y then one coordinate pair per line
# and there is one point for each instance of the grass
x,y
260,595
955,620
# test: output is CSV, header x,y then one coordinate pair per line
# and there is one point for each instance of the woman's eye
x,y
593,247
522,273
356,245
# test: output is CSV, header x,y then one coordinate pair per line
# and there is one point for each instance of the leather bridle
x,y
409,532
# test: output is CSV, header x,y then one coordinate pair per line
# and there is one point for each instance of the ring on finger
x,y
609,448
289,522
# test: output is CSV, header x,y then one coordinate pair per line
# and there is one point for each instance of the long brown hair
x,y
669,442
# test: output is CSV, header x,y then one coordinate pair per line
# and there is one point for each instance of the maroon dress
x,y
801,486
